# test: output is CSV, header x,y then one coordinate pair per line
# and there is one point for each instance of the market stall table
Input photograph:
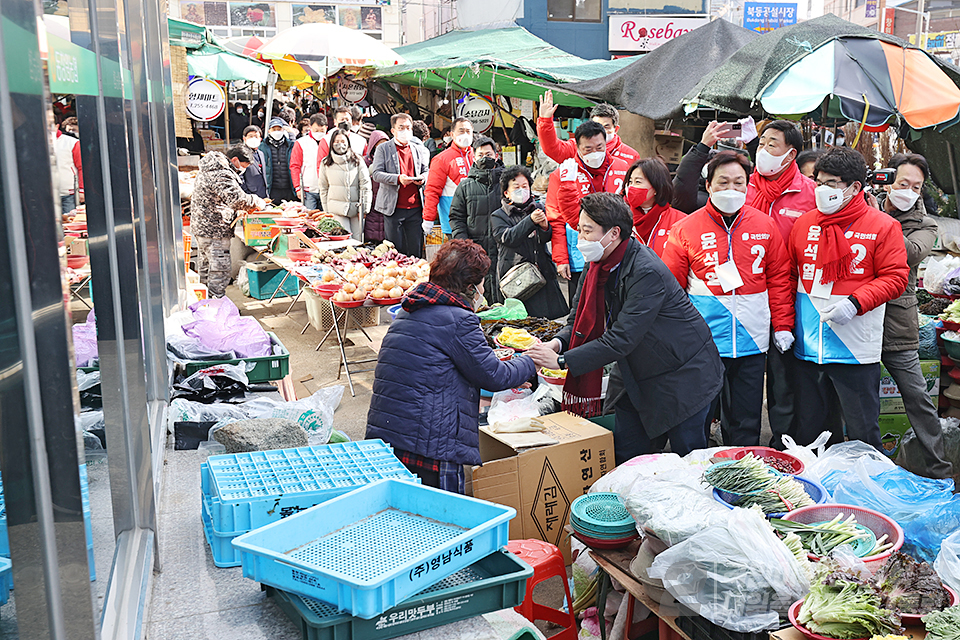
x,y
79,279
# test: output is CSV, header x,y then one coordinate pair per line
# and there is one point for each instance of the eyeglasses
x,y
833,184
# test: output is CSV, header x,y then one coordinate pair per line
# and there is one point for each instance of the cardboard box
x,y
540,474
75,246
931,373
294,240
668,146
892,429
895,405
258,230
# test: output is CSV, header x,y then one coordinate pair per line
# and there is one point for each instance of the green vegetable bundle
x,y
840,605
821,539
758,484
943,625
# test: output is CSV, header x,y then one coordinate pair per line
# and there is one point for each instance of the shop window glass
x,y
573,10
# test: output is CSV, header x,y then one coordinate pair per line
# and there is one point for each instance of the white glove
x,y
427,227
840,312
783,340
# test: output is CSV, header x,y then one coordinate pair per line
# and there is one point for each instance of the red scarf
x,y
646,223
581,394
428,294
769,189
834,255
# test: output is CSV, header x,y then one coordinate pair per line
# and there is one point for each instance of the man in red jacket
x,y
447,169
559,150
779,189
848,261
591,170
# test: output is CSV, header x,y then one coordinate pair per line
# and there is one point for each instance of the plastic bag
x,y
928,339
219,326
85,341
513,408
937,271
623,476
182,410
807,455
314,413
947,564
219,381
737,573
925,534
831,466
897,493
951,284
511,309
188,349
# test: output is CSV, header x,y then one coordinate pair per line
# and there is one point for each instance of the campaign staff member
x,y
648,190
629,310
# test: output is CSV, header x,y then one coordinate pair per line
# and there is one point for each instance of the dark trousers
x,y
858,388
781,411
741,400
404,231
279,195
572,285
630,438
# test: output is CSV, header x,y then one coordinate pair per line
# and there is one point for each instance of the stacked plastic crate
x,y
387,559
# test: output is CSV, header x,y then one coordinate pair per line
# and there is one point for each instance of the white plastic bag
x,y
623,476
737,574
513,409
807,455
831,466
937,271
947,564
315,413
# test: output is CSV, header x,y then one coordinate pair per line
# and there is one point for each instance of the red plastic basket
x,y
912,619
792,616
352,304
878,523
761,452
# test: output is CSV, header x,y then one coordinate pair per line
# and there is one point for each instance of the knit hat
x,y
277,122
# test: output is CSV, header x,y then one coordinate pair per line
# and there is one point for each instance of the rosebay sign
x,y
639,33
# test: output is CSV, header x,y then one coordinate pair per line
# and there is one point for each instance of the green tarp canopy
x,y
210,61
509,62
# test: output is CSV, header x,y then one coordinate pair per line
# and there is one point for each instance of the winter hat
x,y
277,122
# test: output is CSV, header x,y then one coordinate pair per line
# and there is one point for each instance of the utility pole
x,y
920,44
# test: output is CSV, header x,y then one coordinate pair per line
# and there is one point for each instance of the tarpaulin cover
x,y
654,85
508,62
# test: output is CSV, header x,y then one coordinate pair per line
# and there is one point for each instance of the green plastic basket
x,y
265,368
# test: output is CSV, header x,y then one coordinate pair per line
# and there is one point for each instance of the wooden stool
x,y
547,562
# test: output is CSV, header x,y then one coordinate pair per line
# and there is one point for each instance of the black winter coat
x,y
520,239
688,195
664,351
476,198
426,387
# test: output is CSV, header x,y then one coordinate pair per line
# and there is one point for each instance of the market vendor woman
x,y
630,310
431,367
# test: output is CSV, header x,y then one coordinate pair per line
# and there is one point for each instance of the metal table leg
x,y
75,292
602,602
299,293
286,275
304,330
333,313
343,353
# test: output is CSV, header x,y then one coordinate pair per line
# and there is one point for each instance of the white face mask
x,y
253,143
829,200
595,159
463,140
609,135
403,136
447,139
729,200
592,250
340,148
276,135
769,164
519,196
355,128
903,199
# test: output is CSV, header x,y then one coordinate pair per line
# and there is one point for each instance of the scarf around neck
x,y
769,189
581,394
646,223
834,256
428,294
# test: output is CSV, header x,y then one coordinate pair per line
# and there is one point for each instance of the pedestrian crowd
x,y
792,275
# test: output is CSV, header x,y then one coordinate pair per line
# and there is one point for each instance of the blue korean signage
x,y
767,16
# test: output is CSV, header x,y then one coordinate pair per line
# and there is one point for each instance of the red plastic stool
x,y
547,561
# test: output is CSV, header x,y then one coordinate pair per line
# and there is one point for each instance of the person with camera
x,y
902,201
848,262
629,310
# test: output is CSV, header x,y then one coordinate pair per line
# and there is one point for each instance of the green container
x,y
265,368
497,582
952,347
606,421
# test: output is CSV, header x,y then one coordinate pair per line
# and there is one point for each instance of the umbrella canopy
x,y
866,80
509,61
654,85
244,45
331,44
210,61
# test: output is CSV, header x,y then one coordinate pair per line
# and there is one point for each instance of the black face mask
x,y
486,163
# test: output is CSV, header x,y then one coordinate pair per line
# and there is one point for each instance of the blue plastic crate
x,y
497,582
369,550
249,490
6,580
221,546
264,284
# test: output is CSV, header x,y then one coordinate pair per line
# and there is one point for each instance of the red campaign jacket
x,y
559,150
739,319
661,231
447,169
795,201
879,275
568,184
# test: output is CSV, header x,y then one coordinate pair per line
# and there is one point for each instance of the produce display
x,y
943,625
516,338
952,312
842,605
822,538
758,484
910,586
929,305
541,328
287,209
389,281
331,227
553,373
369,256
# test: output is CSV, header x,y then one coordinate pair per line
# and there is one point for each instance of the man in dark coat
x,y
276,171
476,198
630,310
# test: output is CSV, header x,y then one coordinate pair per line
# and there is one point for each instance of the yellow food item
x,y
889,637
553,373
516,338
